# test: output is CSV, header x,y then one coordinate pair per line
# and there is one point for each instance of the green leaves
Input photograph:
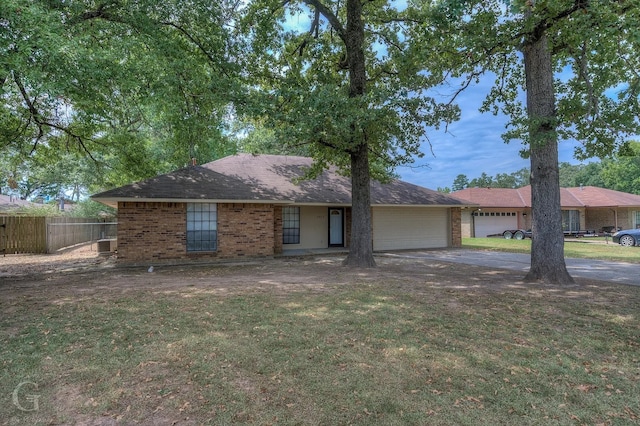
x,y
592,46
139,87
302,90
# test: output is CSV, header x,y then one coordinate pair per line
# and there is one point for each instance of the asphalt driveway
x,y
618,272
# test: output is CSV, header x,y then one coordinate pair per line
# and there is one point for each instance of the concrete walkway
x,y
617,272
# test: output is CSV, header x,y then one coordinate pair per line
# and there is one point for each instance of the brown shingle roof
x,y
592,196
267,178
492,197
9,203
587,196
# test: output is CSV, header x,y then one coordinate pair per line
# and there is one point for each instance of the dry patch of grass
x,y
407,343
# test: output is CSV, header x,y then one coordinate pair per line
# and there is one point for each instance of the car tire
x,y
507,235
518,235
627,241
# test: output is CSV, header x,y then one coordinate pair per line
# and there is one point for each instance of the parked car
x,y
627,237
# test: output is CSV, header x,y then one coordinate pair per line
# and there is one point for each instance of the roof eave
x,y
425,205
113,201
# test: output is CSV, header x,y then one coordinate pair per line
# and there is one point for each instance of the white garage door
x,y
489,223
397,228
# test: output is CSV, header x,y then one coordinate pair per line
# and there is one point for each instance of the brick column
x,y
456,227
277,230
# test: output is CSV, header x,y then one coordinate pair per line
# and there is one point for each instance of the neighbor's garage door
x,y
489,223
396,228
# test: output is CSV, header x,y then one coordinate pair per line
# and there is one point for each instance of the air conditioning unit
x,y
107,245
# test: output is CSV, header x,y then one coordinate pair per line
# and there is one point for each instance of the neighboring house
x,y
259,205
9,204
586,208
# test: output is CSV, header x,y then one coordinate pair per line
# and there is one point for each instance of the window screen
x,y
291,225
202,227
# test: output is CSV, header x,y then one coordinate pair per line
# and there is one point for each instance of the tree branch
x,y
331,17
547,22
472,76
313,32
41,122
100,12
387,39
592,100
199,45
33,111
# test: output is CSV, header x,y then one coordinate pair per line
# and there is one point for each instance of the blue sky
x,y
471,146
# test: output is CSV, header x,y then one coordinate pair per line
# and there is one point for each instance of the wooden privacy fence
x,y
29,234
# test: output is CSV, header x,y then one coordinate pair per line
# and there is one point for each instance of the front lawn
x,y
587,248
311,342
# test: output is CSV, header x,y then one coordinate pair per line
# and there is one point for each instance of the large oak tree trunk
x,y
547,248
361,245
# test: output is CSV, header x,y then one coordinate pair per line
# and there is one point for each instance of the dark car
x,y
627,237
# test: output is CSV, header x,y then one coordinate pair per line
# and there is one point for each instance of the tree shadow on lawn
x,y
281,276
311,339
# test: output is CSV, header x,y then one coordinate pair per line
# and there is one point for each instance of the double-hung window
x,y
202,227
291,225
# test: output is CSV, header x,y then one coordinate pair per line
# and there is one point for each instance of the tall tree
x,y
547,248
460,182
347,86
483,181
503,180
577,64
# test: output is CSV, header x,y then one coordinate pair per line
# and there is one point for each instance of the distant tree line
x,y
620,172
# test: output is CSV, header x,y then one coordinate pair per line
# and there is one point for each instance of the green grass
x,y
365,353
573,247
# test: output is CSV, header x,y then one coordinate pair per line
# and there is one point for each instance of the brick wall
x,y
597,218
456,227
246,230
150,232
156,232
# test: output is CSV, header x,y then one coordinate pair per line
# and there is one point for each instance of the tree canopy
x,y
135,88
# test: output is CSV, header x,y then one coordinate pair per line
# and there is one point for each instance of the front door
x,y
336,227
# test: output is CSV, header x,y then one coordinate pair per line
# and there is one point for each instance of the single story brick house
x,y
257,205
585,208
